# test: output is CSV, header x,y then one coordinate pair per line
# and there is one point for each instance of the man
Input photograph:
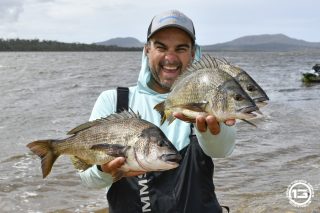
x,y
316,68
170,49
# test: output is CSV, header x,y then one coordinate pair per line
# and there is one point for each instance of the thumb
x,y
113,165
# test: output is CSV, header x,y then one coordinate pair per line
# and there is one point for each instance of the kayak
x,y
310,78
314,77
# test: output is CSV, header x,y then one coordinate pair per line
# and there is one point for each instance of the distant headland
x,y
37,45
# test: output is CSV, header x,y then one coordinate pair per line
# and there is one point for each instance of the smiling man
x,y
170,49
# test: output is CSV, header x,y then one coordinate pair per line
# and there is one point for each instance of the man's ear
x,y
146,49
193,54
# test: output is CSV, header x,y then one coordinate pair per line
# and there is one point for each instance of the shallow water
x,y
45,94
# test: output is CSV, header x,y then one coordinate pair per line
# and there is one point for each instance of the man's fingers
x,y
201,123
230,122
113,165
213,125
204,122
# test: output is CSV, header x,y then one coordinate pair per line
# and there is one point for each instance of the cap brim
x,y
175,26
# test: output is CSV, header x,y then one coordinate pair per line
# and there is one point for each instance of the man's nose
x,y
171,57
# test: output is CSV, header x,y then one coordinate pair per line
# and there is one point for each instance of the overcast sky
x,y
216,21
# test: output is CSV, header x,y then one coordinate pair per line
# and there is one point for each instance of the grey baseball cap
x,y
171,18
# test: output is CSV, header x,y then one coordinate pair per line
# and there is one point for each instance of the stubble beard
x,y
157,80
163,83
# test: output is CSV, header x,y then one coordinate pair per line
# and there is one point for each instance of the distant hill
x,y
267,42
122,42
275,42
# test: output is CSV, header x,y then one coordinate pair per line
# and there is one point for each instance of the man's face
x,y
170,52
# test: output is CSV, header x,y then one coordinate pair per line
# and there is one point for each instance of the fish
x,y
125,134
250,86
204,89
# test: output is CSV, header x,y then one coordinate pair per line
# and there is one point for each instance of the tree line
x,y
45,45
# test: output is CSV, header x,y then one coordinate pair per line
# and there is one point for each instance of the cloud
x,y
44,1
10,10
97,20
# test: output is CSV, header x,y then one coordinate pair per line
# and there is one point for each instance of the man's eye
x,y
160,48
181,50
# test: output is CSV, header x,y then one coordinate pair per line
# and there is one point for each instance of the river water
x,y
45,94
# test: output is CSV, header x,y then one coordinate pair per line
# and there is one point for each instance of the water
x,y
43,95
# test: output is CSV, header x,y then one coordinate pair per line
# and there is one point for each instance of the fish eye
x,y
161,143
238,97
251,88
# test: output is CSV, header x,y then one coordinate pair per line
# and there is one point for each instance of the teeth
x,y
170,68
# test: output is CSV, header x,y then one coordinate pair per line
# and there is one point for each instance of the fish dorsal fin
x,y
226,65
206,62
84,126
122,115
222,61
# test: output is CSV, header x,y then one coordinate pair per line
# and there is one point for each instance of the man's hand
x,y
113,167
203,122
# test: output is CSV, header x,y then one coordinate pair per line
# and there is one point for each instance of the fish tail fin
x,y
45,150
160,107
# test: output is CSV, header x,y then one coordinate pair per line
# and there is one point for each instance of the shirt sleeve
x,y
220,145
94,178
104,106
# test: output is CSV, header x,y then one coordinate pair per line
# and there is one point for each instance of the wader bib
x,y
188,188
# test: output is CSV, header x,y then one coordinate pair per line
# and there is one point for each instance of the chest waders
x,y
188,188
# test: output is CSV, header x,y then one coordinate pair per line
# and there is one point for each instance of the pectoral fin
x,y
190,110
114,150
160,107
196,107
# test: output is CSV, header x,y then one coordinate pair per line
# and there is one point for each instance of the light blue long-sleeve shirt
x,y
142,99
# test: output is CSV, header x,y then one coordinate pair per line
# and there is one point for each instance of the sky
x,y
216,21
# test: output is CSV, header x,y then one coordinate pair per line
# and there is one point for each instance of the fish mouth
x,y
261,104
261,99
171,158
248,110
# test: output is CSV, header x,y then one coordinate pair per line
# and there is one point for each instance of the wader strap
x,y
122,99
193,134
192,131
227,208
